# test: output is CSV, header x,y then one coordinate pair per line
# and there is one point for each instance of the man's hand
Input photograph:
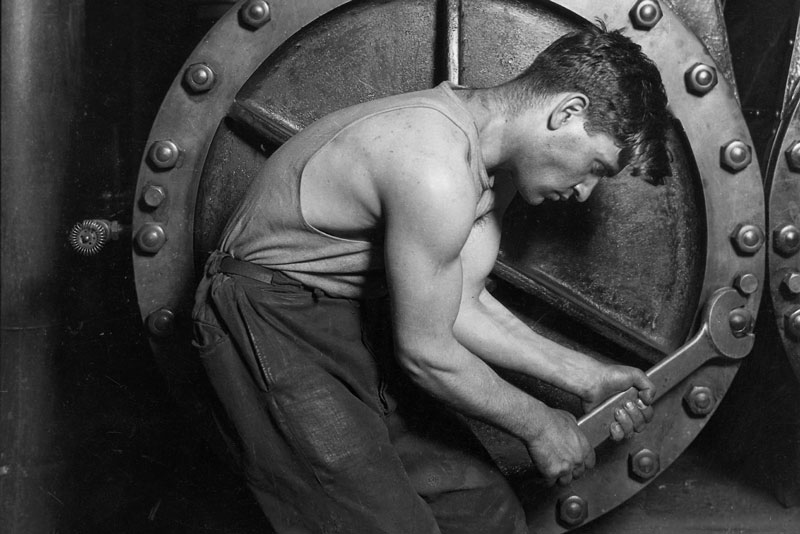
x,y
632,416
559,449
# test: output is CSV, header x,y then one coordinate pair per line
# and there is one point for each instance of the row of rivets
x,y
645,463
165,154
747,238
572,510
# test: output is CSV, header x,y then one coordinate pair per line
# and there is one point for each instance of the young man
x,y
341,403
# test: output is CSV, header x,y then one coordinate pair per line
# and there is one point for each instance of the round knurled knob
x,y
89,237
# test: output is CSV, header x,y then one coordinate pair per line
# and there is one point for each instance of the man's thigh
x,y
452,471
316,454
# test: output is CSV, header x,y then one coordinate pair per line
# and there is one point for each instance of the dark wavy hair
x,y
626,96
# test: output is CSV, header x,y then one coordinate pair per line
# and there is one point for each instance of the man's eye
x,y
599,171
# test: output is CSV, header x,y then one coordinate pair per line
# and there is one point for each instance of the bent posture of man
x,y
341,404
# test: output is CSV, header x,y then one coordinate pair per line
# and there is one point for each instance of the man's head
x,y
625,95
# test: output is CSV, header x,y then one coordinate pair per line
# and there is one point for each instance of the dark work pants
x,y
333,437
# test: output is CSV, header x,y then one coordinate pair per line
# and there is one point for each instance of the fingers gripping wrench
x,y
714,339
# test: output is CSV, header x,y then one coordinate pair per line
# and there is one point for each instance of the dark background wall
x,y
91,439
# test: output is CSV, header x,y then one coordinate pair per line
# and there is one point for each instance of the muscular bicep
x,y
427,223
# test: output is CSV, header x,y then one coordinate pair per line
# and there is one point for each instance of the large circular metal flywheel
x,y
665,277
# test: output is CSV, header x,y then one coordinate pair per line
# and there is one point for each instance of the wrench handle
x,y
666,374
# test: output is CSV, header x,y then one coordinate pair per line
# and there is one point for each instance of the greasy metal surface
x,y
312,58
42,54
704,19
783,188
792,76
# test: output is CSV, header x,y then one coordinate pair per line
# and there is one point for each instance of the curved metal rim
x,y
784,209
183,115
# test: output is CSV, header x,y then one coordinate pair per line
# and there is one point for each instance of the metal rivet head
x,y
700,400
254,14
150,237
572,510
791,282
153,195
644,464
161,323
747,238
746,283
786,239
740,321
792,323
645,14
700,78
793,156
735,155
164,154
199,78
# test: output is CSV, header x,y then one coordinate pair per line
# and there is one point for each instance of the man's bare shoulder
x,y
407,135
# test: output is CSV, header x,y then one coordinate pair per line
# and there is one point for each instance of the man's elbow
x,y
423,365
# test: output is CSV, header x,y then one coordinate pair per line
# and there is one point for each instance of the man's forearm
x,y
454,375
498,337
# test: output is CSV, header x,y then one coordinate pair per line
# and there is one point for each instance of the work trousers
x,y
333,437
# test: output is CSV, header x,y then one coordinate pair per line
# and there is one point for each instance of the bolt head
x,y
740,321
746,283
254,14
735,155
572,510
161,323
791,282
700,400
792,323
700,79
150,237
645,14
164,154
644,464
747,238
786,240
199,78
153,195
793,156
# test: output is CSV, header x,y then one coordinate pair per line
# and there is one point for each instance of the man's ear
x,y
569,106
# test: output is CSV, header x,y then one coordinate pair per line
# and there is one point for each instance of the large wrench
x,y
714,339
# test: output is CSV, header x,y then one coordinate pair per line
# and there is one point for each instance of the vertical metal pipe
x,y
454,41
41,57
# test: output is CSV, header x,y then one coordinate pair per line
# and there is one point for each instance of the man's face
x,y
568,164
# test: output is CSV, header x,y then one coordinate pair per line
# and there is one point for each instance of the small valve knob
x,y
88,237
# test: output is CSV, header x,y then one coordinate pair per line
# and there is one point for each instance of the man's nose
x,y
584,189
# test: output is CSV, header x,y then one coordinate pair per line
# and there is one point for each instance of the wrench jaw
x,y
730,323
